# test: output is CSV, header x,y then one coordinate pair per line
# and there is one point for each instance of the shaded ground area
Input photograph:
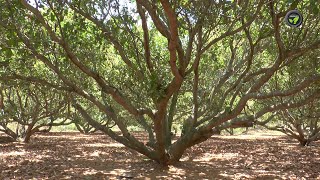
x,y
77,156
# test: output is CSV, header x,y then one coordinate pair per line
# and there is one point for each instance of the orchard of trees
x,y
198,66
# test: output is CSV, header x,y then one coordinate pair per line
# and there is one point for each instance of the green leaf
x,y
8,53
52,17
315,9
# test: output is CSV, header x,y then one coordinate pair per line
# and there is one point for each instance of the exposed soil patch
x,y
78,156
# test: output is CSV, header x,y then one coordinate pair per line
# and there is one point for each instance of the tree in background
x,y
201,64
302,124
27,110
299,123
83,125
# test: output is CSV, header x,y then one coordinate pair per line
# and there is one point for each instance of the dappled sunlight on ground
x,y
253,135
211,157
12,153
104,145
77,156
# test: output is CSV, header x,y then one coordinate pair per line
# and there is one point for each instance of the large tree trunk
x,y
304,142
27,137
29,132
159,128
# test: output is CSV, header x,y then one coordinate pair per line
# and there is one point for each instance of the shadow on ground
x,y
78,156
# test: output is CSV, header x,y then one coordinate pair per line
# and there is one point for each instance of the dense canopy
x,y
202,66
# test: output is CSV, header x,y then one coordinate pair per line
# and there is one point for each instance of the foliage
x,y
83,125
28,109
302,124
205,65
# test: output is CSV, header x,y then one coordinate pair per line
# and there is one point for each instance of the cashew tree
x,y
201,64
302,124
27,109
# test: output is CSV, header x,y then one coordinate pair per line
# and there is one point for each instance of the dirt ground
x,y
77,156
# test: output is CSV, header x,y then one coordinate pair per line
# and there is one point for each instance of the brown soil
x,y
78,156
